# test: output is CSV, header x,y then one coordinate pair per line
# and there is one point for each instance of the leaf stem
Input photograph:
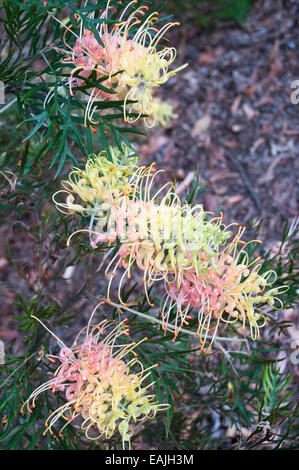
x,y
155,320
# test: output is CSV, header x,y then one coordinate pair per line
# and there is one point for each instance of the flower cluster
x,y
228,291
103,390
192,251
126,62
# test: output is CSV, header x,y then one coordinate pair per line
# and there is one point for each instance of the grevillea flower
x,y
103,387
230,290
100,183
128,62
157,233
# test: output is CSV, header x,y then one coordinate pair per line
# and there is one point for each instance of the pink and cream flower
x,y
103,386
129,62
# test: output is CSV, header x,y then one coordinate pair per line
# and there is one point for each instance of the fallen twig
x,y
246,181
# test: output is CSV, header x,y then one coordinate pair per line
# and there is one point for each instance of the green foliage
x,y
206,12
33,73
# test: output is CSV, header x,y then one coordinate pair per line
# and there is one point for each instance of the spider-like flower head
x,y
103,390
100,183
128,60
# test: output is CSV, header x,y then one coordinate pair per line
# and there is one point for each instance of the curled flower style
x,y
230,290
127,61
162,238
103,389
